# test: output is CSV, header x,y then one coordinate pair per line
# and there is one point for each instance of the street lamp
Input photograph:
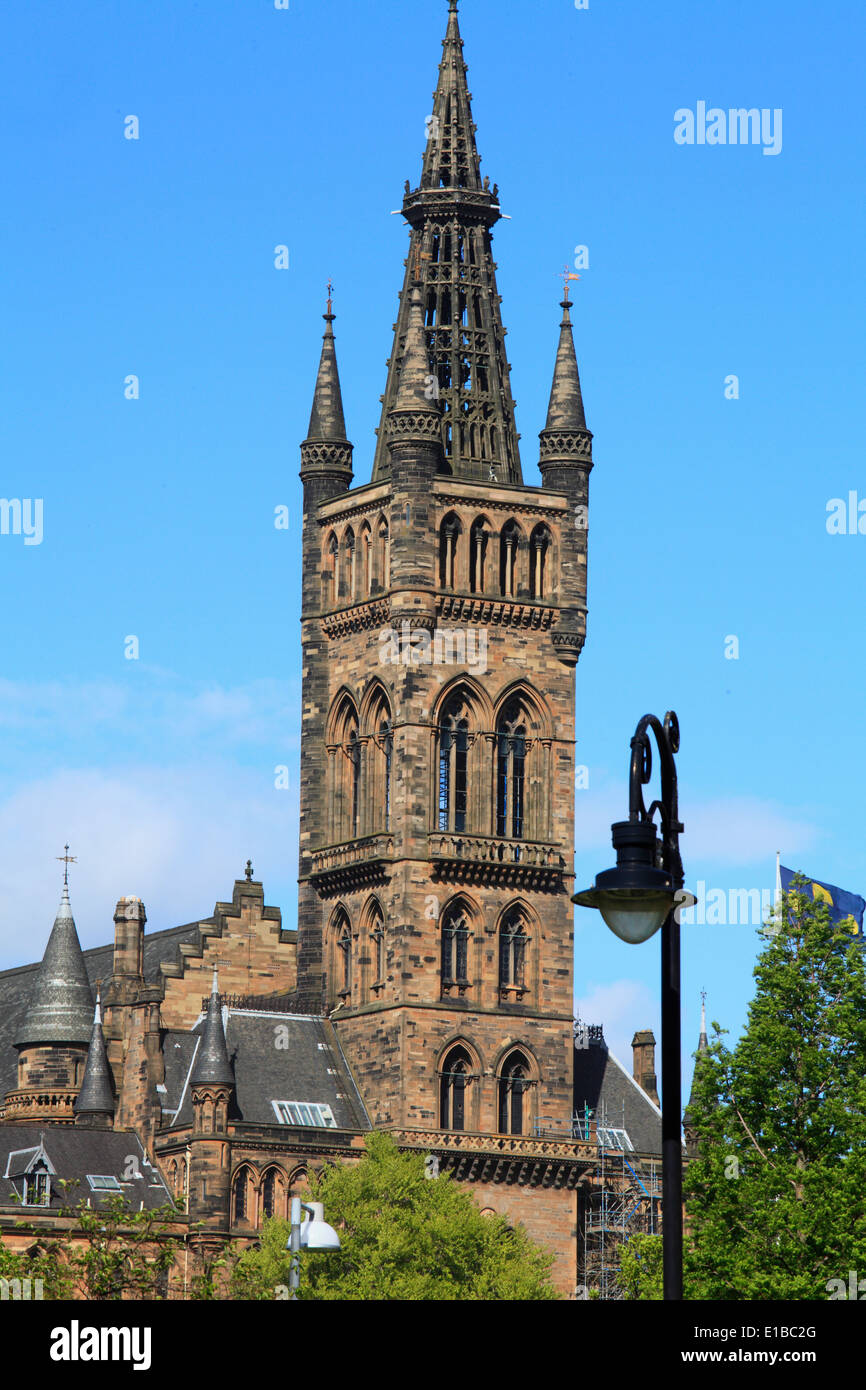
x,y
644,892
313,1234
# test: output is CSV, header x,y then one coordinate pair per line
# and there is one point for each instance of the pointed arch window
x,y
453,1083
240,1196
513,945
449,541
513,1084
511,750
353,753
344,946
271,1188
386,743
377,935
349,545
477,556
455,948
539,563
509,546
332,572
453,766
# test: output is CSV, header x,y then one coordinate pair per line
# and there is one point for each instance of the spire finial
x,y
66,859
703,1011
567,275
330,314
248,871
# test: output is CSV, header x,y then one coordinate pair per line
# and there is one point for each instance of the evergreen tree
x,y
776,1195
403,1235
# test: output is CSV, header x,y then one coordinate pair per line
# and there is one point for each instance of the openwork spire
x,y
212,1065
326,446
61,1005
450,215
96,1096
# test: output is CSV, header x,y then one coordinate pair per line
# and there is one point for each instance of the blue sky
x,y
155,257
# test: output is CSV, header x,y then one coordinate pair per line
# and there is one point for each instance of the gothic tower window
x,y
365,560
330,586
477,556
455,949
377,939
344,945
511,773
513,943
513,1084
384,555
377,793
449,542
509,549
339,962
349,549
453,1083
453,763
539,562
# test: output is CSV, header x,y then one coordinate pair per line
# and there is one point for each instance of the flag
x,y
846,909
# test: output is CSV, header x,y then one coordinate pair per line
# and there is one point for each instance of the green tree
x,y
640,1270
776,1197
403,1235
124,1254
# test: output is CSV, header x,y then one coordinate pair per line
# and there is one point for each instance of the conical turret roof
x,y
61,1005
327,420
96,1096
565,410
212,1065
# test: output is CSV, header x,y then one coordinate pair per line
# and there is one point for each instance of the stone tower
x,y
444,608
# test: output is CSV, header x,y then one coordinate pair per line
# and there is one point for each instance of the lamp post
x,y
313,1234
644,892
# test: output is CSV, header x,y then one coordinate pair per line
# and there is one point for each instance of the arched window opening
x,y
513,1084
365,560
453,1082
377,935
511,773
513,943
449,538
353,753
455,948
332,572
344,946
384,555
539,550
240,1196
477,557
508,550
270,1193
453,765
386,743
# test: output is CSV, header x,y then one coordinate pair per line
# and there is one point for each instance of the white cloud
x,y
623,1007
177,838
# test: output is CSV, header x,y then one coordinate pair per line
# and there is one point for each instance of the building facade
x,y
429,987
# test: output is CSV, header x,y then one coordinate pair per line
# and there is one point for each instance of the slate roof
x,y
60,1007
274,1056
16,987
602,1083
73,1152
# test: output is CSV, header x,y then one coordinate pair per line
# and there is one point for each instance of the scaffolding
x,y
622,1199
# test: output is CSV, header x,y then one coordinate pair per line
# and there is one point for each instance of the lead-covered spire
x,y
212,1066
450,215
565,436
326,447
61,1005
96,1096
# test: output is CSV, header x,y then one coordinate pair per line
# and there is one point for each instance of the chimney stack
x,y
643,1046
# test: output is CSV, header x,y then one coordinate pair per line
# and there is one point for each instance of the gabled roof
x,y
274,1057
72,1153
602,1083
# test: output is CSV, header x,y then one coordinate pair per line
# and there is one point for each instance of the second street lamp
x,y
642,893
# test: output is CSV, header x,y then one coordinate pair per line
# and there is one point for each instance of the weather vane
x,y
565,276
66,859
330,297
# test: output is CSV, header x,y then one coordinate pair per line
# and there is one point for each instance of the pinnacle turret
x,y
212,1065
326,447
565,436
61,1005
96,1096
450,215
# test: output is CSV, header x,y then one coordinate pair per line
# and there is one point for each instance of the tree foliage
x,y
776,1197
403,1235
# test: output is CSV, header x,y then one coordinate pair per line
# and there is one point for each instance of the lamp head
x,y
635,898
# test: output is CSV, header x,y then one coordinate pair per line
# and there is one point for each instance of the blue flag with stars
x,y
846,909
